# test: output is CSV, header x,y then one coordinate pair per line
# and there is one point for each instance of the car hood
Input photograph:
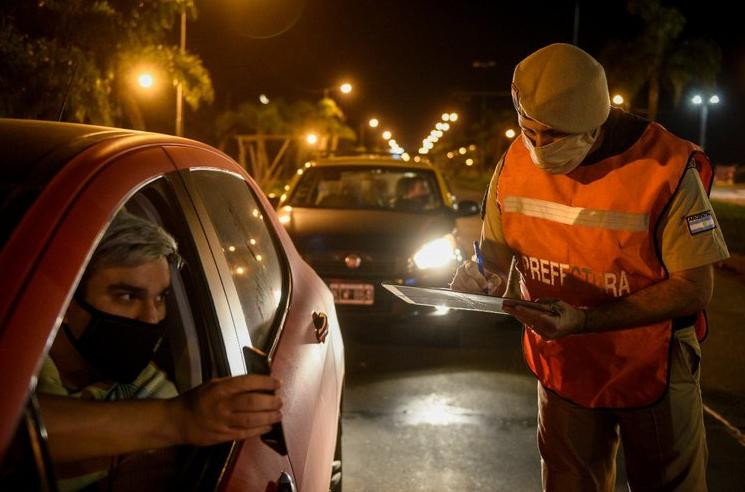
x,y
319,230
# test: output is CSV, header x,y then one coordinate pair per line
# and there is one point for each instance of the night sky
x,y
407,60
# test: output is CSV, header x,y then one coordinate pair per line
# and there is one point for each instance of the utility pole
x,y
179,87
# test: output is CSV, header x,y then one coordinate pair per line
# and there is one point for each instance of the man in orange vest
x,y
604,216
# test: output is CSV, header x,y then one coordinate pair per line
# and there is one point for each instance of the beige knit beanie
x,y
562,87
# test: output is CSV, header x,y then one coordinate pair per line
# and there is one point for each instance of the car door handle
x,y
321,325
285,483
257,362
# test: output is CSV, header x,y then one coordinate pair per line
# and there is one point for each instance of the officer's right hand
x,y
468,279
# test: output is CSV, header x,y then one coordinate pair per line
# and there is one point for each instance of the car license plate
x,y
352,293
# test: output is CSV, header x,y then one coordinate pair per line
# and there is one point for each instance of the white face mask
x,y
562,155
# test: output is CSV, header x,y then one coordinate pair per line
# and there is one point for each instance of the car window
x,y
188,354
367,187
249,248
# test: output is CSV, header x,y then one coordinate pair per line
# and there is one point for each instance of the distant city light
x,y
714,99
263,99
469,162
697,99
450,155
387,135
311,138
346,88
445,117
145,80
453,116
462,150
618,99
373,123
510,133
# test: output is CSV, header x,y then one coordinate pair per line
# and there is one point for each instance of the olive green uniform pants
x,y
664,444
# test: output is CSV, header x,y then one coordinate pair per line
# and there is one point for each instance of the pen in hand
x,y
479,261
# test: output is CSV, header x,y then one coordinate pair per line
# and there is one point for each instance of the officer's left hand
x,y
564,320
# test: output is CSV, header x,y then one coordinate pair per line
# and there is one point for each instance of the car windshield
x,y
368,188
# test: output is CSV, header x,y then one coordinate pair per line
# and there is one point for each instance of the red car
x,y
243,286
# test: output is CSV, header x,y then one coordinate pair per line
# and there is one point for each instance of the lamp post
x,y
179,130
698,100
372,123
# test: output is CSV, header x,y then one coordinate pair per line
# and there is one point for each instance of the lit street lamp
x,y
145,80
344,88
704,103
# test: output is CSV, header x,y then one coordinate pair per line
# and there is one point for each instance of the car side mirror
x,y
467,208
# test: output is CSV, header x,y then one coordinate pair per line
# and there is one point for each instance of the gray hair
x,y
131,241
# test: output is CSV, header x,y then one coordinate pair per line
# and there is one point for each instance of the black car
x,y
360,221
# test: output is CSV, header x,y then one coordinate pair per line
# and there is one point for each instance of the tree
x,y
261,128
74,58
660,57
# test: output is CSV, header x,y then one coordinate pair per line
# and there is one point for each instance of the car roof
x,y
371,160
33,153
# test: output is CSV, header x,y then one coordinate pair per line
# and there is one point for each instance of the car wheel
x,y
336,475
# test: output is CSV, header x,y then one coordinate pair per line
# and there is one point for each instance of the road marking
x,y
739,436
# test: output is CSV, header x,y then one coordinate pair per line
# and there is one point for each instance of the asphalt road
x,y
443,405
432,407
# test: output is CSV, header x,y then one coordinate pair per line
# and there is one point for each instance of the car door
x,y
70,218
275,313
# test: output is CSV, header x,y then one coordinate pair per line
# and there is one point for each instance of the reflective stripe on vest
x,y
586,238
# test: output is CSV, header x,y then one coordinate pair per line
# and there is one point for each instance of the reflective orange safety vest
x,y
589,237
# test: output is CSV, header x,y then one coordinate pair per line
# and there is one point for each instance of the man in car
x,y
609,223
99,392
412,192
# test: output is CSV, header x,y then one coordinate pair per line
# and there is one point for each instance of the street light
x,y
344,88
704,103
373,122
146,80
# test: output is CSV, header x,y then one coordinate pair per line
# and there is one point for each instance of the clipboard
x,y
451,299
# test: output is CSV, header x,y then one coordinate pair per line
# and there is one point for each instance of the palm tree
x,y
262,128
660,56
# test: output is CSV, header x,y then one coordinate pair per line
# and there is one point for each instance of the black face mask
x,y
118,348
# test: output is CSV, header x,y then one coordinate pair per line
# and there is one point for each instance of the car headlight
x,y
437,253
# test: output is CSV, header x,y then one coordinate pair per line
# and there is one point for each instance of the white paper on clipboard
x,y
427,296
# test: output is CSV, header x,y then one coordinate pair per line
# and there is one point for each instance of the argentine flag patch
x,y
700,223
